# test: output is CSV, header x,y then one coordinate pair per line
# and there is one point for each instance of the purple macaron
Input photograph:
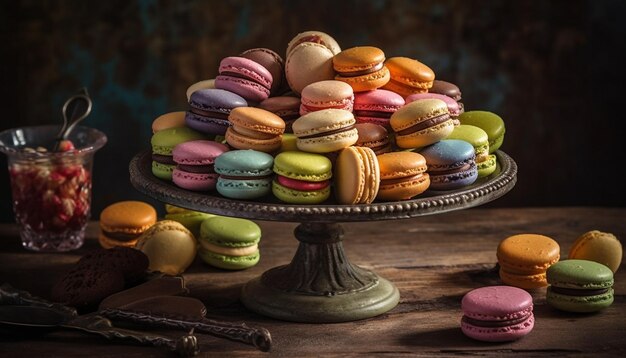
x,y
194,164
497,314
210,109
245,77
451,164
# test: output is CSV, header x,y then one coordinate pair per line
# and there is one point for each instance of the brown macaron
x,y
286,107
373,136
272,62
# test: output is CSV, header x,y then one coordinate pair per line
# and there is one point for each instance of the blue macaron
x,y
451,164
209,110
244,174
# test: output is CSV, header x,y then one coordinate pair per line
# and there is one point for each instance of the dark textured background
x,y
547,67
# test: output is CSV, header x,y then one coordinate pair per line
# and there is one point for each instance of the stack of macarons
x,y
320,99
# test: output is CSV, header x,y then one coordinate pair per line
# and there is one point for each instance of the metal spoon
x,y
74,110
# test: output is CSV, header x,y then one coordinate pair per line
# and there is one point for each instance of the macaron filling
x,y
229,251
578,292
217,113
163,159
374,68
396,181
301,185
323,134
121,236
197,169
498,323
419,126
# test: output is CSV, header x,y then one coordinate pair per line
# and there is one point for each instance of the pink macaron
x,y
497,314
453,106
194,164
376,106
326,94
244,77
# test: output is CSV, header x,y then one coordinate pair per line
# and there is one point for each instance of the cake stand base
x,y
320,285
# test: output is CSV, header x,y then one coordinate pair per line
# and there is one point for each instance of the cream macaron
x,y
170,247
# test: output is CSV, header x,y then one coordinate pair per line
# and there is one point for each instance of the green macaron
x,y
190,219
163,142
302,178
478,138
579,286
490,122
229,243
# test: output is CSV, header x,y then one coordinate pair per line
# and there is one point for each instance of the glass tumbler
x,y
51,190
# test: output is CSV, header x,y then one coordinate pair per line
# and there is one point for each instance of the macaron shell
x,y
206,124
244,163
403,190
357,176
328,143
303,166
487,167
162,171
194,181
499,334
447,89
168,120
250,90
316,37
131,217
289,143
417,112
244,189
109,243
598,246
170,247
580,274
307,63
453,106
271,61
198,152
189,219
490,122
580,304
229,262
163,142
408,76
216,100
293,196
239,141
242,67
200,85
230,232
396,165
326,94
527,254
257,120
368,82
525,281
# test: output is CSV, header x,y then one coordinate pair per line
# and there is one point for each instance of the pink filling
x,y
301,185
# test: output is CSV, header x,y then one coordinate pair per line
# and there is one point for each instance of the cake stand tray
x,y
320,284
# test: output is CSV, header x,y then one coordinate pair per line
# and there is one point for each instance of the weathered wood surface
x,y
433,260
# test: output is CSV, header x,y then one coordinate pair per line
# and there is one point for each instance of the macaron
x,y
313,36
209,110
451,164
447,89
421,123
302,178
190,219
373,136
244,174
490,122
170,247
309,59
245,77
325,131
524,259
254,128
376,106
402,176
357,176
408,76
123,222
229,243
163,142
497,314
200,85
286,107
362,67
598,246
453,106
272,62
326,94
579,286
194,164
168,120
485,162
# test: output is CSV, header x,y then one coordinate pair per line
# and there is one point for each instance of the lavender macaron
x,y
209,110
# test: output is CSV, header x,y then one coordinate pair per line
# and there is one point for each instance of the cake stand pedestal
x,y
320,284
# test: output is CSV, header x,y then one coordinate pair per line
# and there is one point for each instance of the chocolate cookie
x,y
131,262
84,287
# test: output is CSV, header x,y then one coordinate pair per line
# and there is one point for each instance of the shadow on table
x,y
443,338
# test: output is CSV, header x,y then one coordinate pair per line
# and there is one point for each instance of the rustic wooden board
x,y
433,260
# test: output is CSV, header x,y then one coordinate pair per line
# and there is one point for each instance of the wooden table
x,y
433,261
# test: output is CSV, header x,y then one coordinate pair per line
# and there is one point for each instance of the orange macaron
x,y
123,222
524,259
357,176
402,176
408,76
361,67
254,128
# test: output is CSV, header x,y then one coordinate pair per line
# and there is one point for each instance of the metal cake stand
x,y
320,284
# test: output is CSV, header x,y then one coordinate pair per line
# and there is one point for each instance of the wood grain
x,y
433,261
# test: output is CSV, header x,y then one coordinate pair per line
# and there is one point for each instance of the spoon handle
x,y
240,332
186,345
10,295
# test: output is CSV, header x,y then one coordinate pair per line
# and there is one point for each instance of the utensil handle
x,y
240,332
186,345
10,295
